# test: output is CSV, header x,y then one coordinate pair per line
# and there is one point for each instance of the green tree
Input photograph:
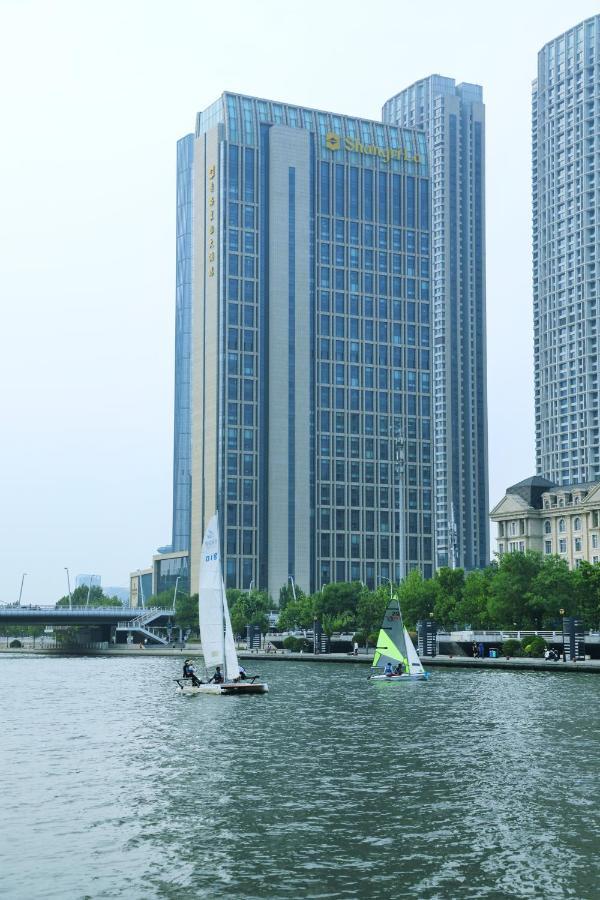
x,y
369,611
297,614
552,589
97,597
338,602
418,598
510,590
286,594
251,608
472,608
449,594
586,583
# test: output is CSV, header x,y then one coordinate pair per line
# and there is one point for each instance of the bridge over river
x,y
142,624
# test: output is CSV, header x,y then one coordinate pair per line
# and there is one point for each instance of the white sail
x,y
415,665
216,635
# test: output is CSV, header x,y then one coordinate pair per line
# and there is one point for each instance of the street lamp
x,y
291,579
562,613
69,588
251,585
391,584
87,602
21,591
175,594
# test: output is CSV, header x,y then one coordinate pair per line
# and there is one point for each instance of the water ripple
x,y
477,784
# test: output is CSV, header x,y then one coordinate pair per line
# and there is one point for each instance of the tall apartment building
x,y
453,117
310,343
566,254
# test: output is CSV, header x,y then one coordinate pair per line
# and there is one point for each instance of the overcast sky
x,y
94,98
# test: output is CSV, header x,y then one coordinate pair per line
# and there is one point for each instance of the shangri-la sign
x,y
335,141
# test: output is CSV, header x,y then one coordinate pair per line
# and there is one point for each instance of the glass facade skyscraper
x,y
566,250
310,344
182,442
453,117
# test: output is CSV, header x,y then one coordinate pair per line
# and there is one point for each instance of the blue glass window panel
x,y
383,284
396,201
410,202
423,203
234,214
325,228
354,187
425,313
340,199
410,242
249,242
248,391
324,253
382,204
248,414
368,303
368,235
249,267
233,264
368,195
232,174
340,235
339,303
424,290
249,291
410,288
324,301
324,188
354,233
232,313
234,242
249,217
340,279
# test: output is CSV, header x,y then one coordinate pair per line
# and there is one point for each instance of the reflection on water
x,y
475,784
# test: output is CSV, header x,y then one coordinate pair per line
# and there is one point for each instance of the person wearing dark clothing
x,y
217,677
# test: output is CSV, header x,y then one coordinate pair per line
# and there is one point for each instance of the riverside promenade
x,y
194,651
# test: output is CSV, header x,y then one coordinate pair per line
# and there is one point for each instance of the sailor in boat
x,y
190,672
388,671
217,677
401,669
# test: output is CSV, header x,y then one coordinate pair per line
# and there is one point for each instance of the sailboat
x,y
395,646
216,634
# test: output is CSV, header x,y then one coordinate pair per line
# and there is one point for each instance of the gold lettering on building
x,y
211,245
334,142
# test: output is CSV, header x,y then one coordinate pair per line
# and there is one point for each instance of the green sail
x,y
391,645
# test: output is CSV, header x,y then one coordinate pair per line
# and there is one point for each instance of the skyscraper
x,y
311,344
566,250
182,438
453,117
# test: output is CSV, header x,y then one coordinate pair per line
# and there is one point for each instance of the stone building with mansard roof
x,y
563,520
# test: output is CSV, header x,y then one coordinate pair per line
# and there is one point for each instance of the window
x,y
594,541
577,544
577,524
562,545
561,526
512,529
547,546
547,527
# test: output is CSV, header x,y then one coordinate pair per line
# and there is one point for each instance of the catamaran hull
x,y
395,679
227,689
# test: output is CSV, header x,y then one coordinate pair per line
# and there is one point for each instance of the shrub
x,y
534,646
511,647
293,643
15,644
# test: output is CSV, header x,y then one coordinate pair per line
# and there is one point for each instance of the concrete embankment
x,y
194,652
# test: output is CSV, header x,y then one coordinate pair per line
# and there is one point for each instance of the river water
x,y
474,784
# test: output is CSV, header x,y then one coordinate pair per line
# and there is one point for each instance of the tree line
x,y
520,590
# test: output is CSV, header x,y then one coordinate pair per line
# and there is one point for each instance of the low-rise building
x,y
563,520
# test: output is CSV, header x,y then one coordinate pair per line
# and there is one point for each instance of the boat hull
x,y
396,679
228,689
